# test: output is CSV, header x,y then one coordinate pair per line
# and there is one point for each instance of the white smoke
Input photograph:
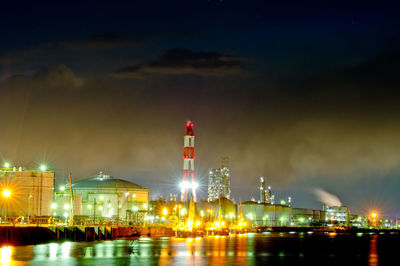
x,y
327,198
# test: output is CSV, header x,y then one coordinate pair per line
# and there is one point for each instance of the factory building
x,y
337,215
219,181
267,214
30,192
307,217
228,208
104,197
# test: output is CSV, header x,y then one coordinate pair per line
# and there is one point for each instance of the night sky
x,y
305,94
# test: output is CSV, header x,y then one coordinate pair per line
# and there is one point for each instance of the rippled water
x,y
251,249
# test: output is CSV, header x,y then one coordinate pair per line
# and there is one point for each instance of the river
x,y
250,249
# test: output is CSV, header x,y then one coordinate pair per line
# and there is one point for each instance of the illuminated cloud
x,y
51,77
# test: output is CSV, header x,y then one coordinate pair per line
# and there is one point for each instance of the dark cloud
x,y
103,41
81,49
369,88
178,61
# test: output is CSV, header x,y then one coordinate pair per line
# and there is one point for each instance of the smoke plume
x,y
327,198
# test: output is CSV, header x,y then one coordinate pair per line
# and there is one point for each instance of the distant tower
x,y
262,190
268,196
188,163
225,177
219,181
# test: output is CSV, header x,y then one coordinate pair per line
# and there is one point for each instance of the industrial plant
x,y
30,196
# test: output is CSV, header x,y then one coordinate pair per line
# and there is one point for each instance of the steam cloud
x,y
327,198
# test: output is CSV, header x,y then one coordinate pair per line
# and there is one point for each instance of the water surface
x,y
250,249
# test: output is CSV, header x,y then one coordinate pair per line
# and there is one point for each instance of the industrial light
x,y
5,255
89,206
62,188
6,193
53,205
186,185
43,167
183,211
6,165
66,206
165,211
135,209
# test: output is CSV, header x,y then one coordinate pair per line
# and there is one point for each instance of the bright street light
x,y
186,184
165,211
6,193
183,211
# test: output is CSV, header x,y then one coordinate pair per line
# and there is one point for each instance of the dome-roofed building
x,y
105,182
103,196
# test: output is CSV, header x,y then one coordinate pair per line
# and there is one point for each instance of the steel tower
x,y
188,163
